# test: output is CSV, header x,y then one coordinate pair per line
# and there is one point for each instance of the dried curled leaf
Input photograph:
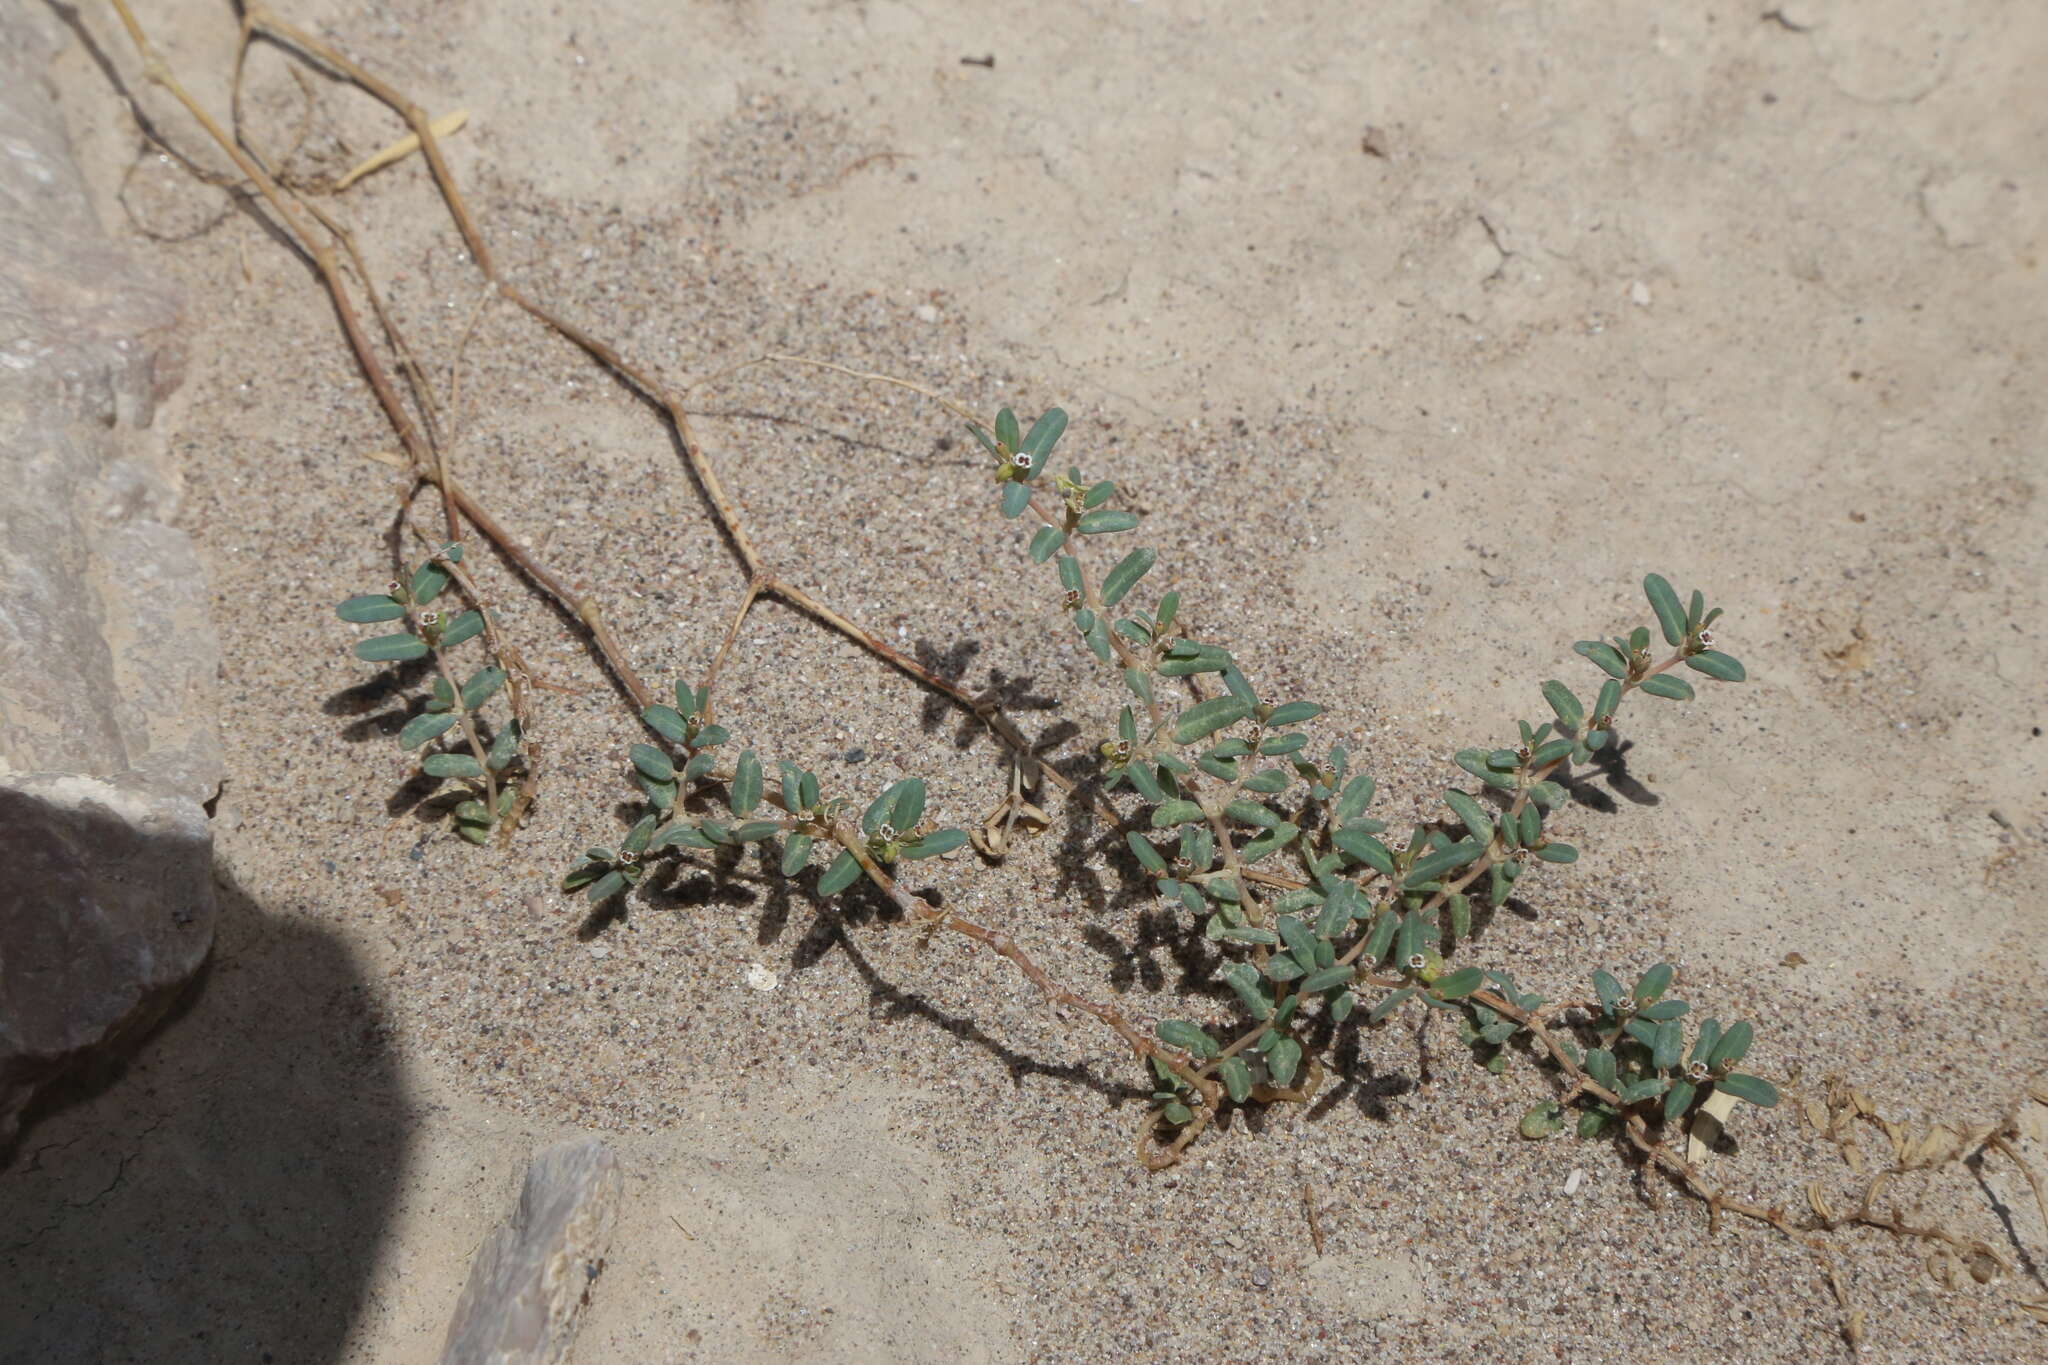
x,y
1706,1127
999,827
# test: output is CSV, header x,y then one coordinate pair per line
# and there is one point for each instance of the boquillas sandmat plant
x,y
1266,850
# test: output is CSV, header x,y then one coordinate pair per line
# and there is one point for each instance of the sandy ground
x,y
1418,333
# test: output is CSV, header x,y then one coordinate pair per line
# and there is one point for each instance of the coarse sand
x,y
1417,334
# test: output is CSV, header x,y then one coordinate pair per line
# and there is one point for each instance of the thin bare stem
x,y
2005,1148
870,376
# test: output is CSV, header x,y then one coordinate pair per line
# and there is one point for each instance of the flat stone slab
x,y
532,1277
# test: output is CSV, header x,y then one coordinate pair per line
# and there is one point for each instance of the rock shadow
x,y
221,1191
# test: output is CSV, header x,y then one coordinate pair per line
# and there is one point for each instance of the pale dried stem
x,y
282,204
2033,1176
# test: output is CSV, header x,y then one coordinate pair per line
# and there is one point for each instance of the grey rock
x,y
107,661
109,741
107,911
532,1276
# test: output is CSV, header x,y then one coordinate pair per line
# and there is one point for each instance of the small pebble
x,y
1573,1181
1639,294
761,978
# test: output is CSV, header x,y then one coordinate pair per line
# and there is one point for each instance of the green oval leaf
x,y
464,627
1388,1005
1606,656
1755,1089
662,794
427,582
1668,687
1703,1045
1284,967
1434,865
370,607
1715,664
1459,984
1567,707
451,765
1206,718
1459,908
1188,1038
1653,983
745,792
1045,434
908,807
844,872
1668,1046
667,722
504,748
582,875
1344,904
1282,1060
1353,800
1243,978
1472,814
424,727
1540,1120
1293,713
1663,601
682,836
1105,520
1236,1078
391,648
1125,575
1733,1046
1315,983
482,686
939,841
653,762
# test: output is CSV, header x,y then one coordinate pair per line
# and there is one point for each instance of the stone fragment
x,y
532,1277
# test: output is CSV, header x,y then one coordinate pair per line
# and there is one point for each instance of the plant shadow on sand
x,y
1354,1073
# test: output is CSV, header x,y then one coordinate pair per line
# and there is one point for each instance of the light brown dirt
x,y
1755,302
